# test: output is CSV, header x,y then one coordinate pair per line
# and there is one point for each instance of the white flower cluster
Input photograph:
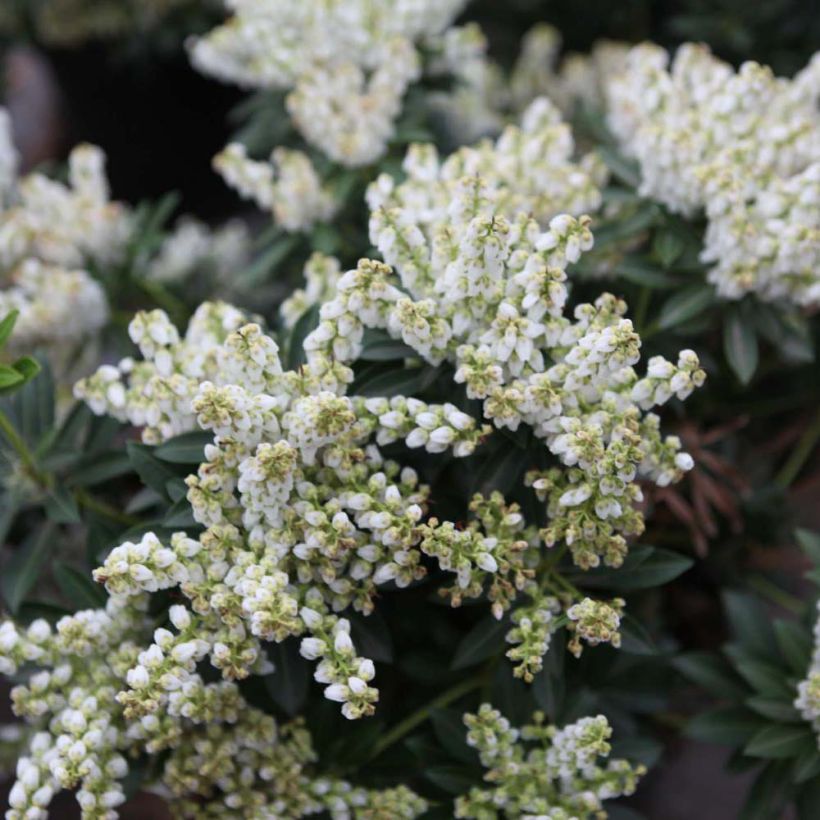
x,y
287,186
303,515
743,146
578,78
808,690
49,233
66,225
542,771
483,288
346,64
321,275
156,394
58,308
529,168
77,742
194,247
221,756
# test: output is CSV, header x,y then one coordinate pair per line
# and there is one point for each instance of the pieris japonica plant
x,y
386,544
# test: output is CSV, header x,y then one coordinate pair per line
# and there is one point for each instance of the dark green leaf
x,y
386,349
795,645
740,344
627,171
728,725
767,796
549,685
100,467
500,471
61,507
407,382
27,367
686,304
9,378
22,570
454,779
264,266
776,709
304,326
65,438
78,587
36,399
750,623
180,515
635,639
806,766
769,680
448,724
371,637
7,325
188,448
810,544
711,672
648,567
776,741
667,246
641,272
484,640
289,681
154,473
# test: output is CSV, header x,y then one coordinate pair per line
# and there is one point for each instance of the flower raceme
x,y
303,515
742,146
346,65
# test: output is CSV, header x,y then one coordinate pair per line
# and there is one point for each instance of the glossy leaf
x,y
686,304
78,587
288,683
740,345
485,640
61,507
188,448
22,570
776,741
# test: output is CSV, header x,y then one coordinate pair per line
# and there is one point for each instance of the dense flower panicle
x,y
534,622
156,394
808,690
66,225
485,289
579,77
594,622
321,274
529,168
542,771
349,115
346,64
744,147
303,515
50,235
193,248
287,186
58,307
222,757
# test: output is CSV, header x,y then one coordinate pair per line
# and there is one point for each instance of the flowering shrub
x,y
449,476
